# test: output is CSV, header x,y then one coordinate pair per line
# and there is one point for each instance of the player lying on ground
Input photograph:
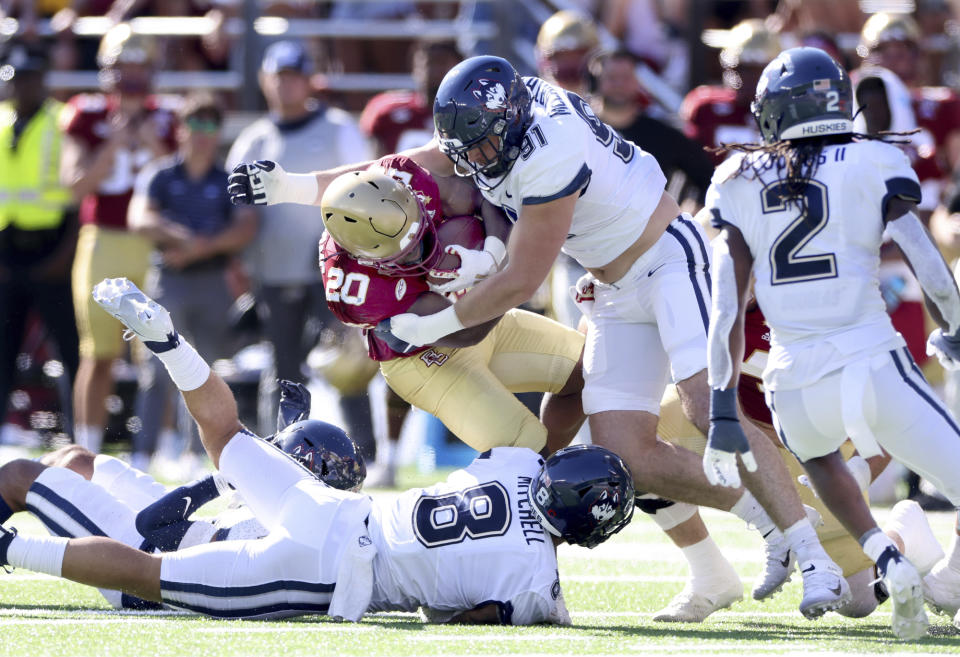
x,y
478,548
569,182
385,241
805,215
75,493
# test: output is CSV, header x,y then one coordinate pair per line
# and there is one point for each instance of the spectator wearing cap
x,y
38,226
180,204
300,134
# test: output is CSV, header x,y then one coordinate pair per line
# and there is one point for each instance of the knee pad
x,y
666,513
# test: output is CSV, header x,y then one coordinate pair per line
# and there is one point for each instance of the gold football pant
x,y
471,389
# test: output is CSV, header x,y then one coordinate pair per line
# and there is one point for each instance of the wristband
x,y
723,404
444,322
495,247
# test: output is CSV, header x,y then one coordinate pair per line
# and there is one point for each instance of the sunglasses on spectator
x,y
203,125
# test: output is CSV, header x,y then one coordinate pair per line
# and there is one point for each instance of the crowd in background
x,y
123,181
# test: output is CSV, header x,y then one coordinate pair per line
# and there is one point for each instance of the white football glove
x,y
582,293
946,348
474,266
266,183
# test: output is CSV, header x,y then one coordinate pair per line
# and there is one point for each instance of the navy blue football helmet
x,y
324,449
803,93
482,100
584,494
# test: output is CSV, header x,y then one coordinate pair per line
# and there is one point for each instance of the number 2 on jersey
x,y
478,512
786,266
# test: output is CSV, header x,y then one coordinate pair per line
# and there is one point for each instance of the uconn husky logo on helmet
x,y
482,108
493,94
606,507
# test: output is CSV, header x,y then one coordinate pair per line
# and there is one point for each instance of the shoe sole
x,y
815,611
772,592
909,619
676,619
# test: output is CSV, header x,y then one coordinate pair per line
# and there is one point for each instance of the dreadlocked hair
x,y
796,160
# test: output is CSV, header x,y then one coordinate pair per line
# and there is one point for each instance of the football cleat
x,y
824,588
920,546
142,316
690,606
778,567
902,582
941,589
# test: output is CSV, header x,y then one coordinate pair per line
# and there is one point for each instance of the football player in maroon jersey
x,y
715,115
108,137
380,258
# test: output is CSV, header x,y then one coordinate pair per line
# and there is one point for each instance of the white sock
x,y
88,436
875,543
41,554
802,539
749,510
706,562
187,369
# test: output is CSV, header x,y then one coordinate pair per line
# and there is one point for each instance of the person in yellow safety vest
x,y
38,226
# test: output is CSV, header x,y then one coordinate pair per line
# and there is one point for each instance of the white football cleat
x,y
778,566
690,606
941,589
824,588
920,546
906,593
147,319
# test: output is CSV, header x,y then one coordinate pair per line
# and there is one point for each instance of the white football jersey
x,y
816,269
470,540
567,149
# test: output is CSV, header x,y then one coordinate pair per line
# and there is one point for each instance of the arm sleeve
x,y
165,522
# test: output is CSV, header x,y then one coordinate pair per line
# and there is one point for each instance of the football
x,y
465,230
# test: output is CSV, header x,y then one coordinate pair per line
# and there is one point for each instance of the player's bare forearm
x,y
495,221
430,158
468,336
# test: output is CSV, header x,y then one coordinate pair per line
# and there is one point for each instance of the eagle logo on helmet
x,y
496,95
605,508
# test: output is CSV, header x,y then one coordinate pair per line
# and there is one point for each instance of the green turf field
x,y
611,591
